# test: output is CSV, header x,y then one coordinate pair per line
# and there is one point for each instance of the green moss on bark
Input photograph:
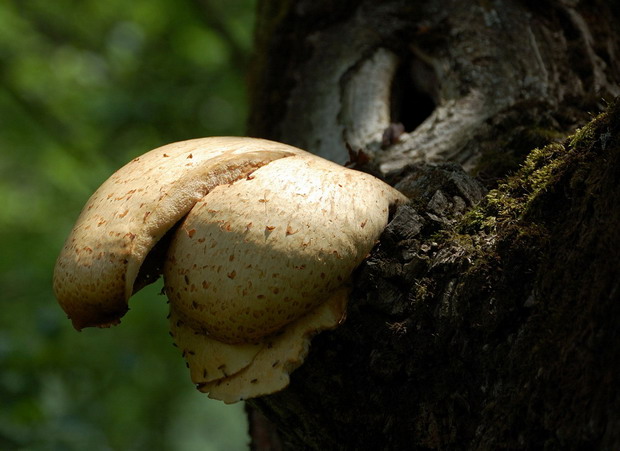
x,y
517,197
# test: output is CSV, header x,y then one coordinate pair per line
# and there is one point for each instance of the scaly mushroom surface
x,y
256,241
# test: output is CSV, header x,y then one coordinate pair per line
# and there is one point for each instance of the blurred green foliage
x,y
86,85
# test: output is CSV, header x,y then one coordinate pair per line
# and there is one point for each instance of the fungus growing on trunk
x,y
256,241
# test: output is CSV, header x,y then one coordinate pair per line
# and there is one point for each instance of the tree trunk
x,y
487,315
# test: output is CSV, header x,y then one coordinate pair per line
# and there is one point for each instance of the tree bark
x,y
487,315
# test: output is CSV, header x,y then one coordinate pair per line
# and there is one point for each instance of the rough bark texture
x,y
482,319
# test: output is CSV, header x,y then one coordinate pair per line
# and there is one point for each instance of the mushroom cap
x,y
256,254
256,241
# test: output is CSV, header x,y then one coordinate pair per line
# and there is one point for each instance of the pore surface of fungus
x,y
256,241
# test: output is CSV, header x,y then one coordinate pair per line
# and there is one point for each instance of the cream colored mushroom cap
x,y
256,240
256,254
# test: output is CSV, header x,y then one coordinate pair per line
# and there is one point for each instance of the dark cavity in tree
x,y
414,93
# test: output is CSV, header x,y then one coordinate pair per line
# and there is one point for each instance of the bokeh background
x,y
85,86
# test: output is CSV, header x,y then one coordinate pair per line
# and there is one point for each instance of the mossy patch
x,y
518,197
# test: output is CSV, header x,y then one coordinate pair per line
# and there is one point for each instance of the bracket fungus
x,y
256,241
